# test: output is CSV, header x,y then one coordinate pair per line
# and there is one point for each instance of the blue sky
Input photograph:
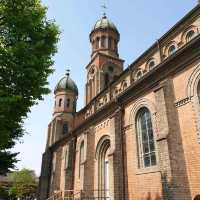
x,y
140,23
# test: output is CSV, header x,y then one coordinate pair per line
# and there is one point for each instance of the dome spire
x,y
67,72
104,7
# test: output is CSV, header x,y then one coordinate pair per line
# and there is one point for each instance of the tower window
x,y
109,42
97,43
65,128
107,79
190,35
171,50
68,103
145,139
60,103
103,42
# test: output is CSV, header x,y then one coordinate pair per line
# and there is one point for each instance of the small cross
x,y
104,7
67,72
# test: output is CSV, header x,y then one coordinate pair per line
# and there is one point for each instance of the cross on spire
x,y
104,7
67,72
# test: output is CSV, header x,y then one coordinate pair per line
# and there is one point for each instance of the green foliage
x,y
23,182
27,43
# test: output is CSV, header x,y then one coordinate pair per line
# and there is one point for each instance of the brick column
x,y
69,171
169,143
88,184
115,157
45,176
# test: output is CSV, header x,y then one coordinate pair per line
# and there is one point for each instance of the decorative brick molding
x,y
182,102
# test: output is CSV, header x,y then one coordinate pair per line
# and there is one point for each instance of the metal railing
x,y
81,195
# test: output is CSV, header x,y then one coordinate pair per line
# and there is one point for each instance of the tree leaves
x,y
27,43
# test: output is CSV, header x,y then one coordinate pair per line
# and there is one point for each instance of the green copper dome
x,y
104,23
66,84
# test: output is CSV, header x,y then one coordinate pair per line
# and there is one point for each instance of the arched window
x,y
103,150
65,128
145,139
197,197
60,103
81,160
97,43
171,50
190,35
110,43
103,42
151,64
139,75
106,79
68,103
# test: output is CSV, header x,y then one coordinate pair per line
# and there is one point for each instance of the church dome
x,y
104,23
66,84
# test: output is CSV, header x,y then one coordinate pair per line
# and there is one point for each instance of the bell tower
x,y
105,65
66,94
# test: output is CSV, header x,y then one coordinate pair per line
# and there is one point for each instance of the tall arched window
x,y
190,35
97,43
60,103
145,139
171,50
65,128
81,160
68,103
106,79
110,43
103,42
103,168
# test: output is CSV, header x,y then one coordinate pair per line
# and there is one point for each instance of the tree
x,y
23,183
27,43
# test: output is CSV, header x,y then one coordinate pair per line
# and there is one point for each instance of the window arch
x,y
190,35
103,42
151,64
145,139
65,128
60,103
68,103
197,197
81,160
97,42
110,43
139,75
172,49
102,155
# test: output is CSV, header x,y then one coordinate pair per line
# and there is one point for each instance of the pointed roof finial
x,y
104,7
67,72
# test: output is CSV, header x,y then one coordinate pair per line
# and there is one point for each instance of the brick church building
x,y
138,136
